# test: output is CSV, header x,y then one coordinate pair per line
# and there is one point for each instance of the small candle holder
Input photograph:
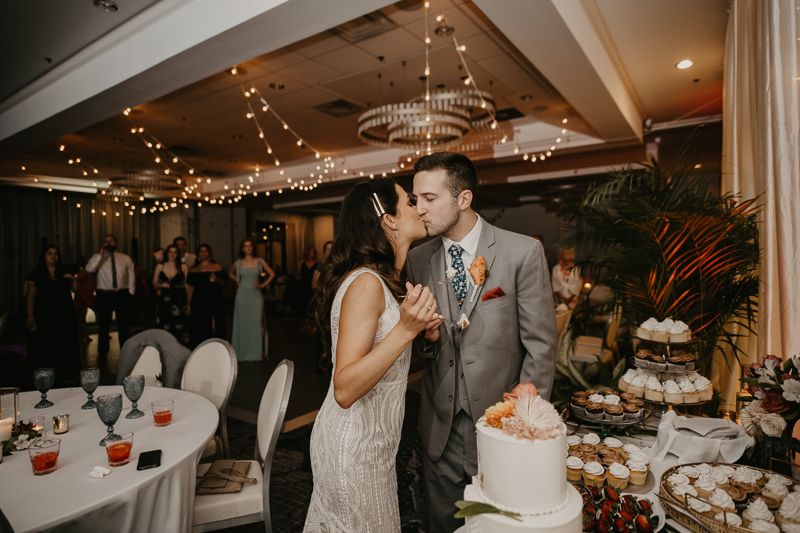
x,y
9,409
37,423
60,424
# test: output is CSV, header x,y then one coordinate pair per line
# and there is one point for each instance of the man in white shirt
x,y
116,285
186,258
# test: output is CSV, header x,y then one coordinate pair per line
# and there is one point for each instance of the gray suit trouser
x,y
446,479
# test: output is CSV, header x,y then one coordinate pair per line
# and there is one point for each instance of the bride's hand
x,y
417,310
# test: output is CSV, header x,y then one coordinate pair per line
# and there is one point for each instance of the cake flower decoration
x,y
478,272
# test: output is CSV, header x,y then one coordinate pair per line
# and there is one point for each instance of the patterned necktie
x,y
113,271
460,279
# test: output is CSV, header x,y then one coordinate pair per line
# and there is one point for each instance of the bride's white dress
x,y
353,451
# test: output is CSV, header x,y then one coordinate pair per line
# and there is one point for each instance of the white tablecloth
x,y
127,500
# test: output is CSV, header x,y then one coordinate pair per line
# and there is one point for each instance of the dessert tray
x,y
699,522
590,421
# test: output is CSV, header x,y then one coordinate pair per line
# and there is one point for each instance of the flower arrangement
x,y
770,417
525,415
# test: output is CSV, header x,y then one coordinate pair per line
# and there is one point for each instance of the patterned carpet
x,y
292,483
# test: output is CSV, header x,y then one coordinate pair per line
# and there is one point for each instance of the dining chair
x,y
589,349
211,372
220,511
149,366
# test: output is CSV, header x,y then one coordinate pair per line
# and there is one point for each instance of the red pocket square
x,y
497,292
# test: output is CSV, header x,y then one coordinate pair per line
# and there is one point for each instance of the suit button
x,y
451,362
450,397
462,376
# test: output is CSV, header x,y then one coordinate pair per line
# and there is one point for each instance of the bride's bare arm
x,y
359,367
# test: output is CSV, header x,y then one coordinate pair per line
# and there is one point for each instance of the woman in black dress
x,y
204,290
169,280
52,320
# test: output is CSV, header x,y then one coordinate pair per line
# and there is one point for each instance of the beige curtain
x,y
761,156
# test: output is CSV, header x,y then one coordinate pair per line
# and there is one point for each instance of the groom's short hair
x,y
461,173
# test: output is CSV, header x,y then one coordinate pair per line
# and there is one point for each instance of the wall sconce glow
x,y
686,63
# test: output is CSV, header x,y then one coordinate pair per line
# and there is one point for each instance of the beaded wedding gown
x,y
353,451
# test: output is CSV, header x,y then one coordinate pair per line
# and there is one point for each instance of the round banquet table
x,y
159,499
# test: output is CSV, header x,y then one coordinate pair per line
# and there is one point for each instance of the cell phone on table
x,y
148,460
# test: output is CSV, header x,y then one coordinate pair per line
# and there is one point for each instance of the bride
x,y
357,432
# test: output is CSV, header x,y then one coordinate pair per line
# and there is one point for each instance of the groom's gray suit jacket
x,y
510,339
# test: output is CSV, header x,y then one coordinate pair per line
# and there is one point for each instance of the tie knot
x,y
455,250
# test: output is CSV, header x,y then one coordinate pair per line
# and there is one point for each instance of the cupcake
x,y
789,511
680,492
580,394
659,334
689,361
595,411
610,392
592,439
575,453
725,469
653,390
748,475
775,489
704,388
772,504
657,363
628,449
636,386
757,510
721,501
738,496
763,526
609,460
647,329
578,406
718,477
780,479
676,364
573,441
588,448
640,457
731,519
690,394
631,411
690,472
703,468
589,392
574,469
587,458
611,399
705,486
614,444
677,479
699,506
626,396
790,528
594,474
638,472
672,392
614,413
618,476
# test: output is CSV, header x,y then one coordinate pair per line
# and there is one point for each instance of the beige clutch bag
x,y
224,476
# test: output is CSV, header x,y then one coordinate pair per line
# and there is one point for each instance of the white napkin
x,y
98,472
723,442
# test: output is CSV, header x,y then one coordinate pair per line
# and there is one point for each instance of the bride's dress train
x,y
353,451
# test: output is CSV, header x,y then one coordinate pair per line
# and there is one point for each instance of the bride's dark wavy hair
x,y
361,241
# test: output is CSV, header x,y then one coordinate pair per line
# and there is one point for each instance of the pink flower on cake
x,y
497,412
534,418
523,389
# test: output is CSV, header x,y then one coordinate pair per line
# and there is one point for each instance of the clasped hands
x,y
418,312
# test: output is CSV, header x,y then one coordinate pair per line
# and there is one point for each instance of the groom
x,y
511,337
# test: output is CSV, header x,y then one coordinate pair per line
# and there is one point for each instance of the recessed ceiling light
x,y
106,5
276,85
686,63
526,97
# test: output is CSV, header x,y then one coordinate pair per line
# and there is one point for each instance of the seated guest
x,y
52,320
204,291
566,279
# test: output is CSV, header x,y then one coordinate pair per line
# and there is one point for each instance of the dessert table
x,y
126,500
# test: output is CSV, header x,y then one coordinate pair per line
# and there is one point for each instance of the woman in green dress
x,y
250,340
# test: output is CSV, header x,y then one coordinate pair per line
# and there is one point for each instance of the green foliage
x,y
466,508
673,249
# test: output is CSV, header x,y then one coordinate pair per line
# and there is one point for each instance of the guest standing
x,y
566,279
116,285
186,258
169,281
84,297
52,320
204,290
250,340
307,267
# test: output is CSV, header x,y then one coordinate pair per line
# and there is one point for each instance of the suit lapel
x,y
443,293
484,245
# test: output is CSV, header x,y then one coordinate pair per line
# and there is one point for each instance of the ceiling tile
x,y
349,59
309,72
318,45
393,44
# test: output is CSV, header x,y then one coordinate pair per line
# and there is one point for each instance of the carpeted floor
x,y
292,483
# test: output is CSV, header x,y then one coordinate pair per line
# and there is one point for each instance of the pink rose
x,y
774,358
754,366
523,389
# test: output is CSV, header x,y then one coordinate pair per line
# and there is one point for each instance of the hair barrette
x,y
377,205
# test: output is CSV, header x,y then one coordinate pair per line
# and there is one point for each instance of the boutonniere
x,y
479,274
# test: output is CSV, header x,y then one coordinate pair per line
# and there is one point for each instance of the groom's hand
x,y
432,329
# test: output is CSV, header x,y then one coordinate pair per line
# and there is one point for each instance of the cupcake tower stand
x,y
604,425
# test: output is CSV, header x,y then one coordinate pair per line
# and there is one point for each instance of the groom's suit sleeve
x,y
424,349
537,321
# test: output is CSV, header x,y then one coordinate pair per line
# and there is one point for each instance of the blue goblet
x,y
90,379
109,408
43,379
134,388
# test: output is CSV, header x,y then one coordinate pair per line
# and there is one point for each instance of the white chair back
x,y
211,372
148,365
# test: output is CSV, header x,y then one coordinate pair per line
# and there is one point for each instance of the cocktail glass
x,y
119,450
90,379
134,388
43,379
162,412
109,408
44,456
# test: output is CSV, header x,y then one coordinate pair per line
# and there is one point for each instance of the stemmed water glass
x,y
43,379
109,407
90,379
134,388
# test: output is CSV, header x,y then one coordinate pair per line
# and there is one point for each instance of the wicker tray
x,y
690,518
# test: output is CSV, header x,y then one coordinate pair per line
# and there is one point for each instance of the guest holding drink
x,y
52,320
169,281
250,340
204,290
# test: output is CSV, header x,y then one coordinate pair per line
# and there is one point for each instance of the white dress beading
x,y
353,451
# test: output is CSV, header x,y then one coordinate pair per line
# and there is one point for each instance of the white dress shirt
x,y
101,264
469,246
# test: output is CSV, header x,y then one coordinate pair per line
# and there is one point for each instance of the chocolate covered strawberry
x,y
643,524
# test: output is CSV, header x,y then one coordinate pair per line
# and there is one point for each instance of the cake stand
x,y
602,424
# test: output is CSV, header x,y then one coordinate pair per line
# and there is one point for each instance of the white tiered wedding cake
x,y
521,469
